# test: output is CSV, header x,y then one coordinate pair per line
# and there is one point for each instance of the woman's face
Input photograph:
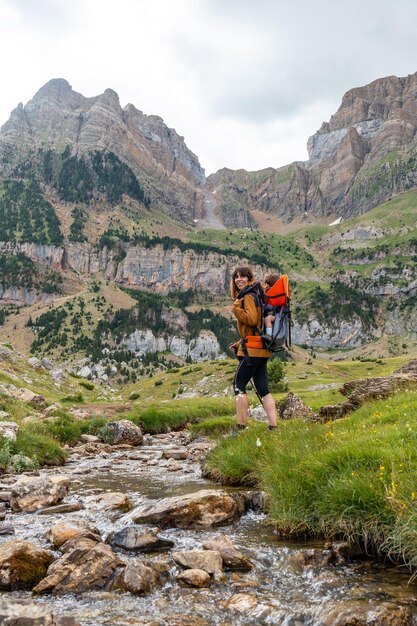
x,y
241,281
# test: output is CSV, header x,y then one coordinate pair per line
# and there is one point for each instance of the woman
x,y
252,356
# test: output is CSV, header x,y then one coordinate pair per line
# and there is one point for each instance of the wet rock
x,y
204,508
59,534
6,530
32,493
292,406
208,560
242,602
313,557
187,620
137,578
179,454
173,466
232,558
112,500
343,551
15,613
86,565
134,538
22,564
194,578
9,430
61,508
124,431
381,614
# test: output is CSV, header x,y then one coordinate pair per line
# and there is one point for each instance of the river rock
x,y
204,508
32,493
208,560
232,558
19,612
137,578
112,500
378,614
242,602
124,431
134,538
179,454
22,564
194,578
187,620
9,430
61,533
86,565
60,509
312,557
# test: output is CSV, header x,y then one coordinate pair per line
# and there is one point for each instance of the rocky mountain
x,y
364,155
57,117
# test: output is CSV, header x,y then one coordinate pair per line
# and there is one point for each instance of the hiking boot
x,y
237,429
272,428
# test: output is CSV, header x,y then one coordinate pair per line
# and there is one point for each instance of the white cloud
x,y
245,82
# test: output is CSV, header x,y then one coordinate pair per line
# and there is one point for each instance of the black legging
x,y
257,371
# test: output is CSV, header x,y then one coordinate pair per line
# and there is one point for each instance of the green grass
x,y
158,418
353,478
212,427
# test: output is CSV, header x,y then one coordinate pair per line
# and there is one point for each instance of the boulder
x,y
112,500
59,534
203,509
60,509
194,578
22,564
209,561
134,538
86,565
9,430
124,431
137,578
292,406
32,493
232,558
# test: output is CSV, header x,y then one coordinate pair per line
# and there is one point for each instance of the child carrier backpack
x,y
279,297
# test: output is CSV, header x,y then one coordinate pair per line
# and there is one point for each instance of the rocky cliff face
x,y
57,116
154,269
364,154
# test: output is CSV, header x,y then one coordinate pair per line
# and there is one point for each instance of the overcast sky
x,y
246,82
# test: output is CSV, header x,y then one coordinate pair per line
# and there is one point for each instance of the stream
x,y
276,591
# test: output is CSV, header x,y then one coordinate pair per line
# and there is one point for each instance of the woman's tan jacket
x,y
249,317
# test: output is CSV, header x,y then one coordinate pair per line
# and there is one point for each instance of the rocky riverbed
x,y
132,534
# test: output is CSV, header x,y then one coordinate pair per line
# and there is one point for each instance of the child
x,y
269,309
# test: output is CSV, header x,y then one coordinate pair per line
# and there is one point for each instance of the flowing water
x,y
279,591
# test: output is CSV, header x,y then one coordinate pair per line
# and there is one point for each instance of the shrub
x,y
76,398
276,374
87,385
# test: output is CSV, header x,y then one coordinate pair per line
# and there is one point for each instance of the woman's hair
x,y
243,270
271,279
